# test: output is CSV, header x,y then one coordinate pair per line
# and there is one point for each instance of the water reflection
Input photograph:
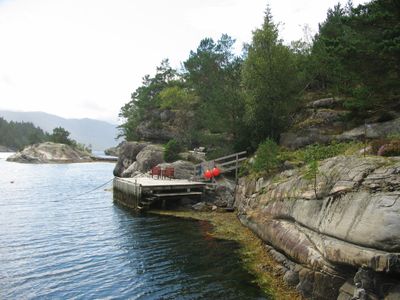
x,y
56,246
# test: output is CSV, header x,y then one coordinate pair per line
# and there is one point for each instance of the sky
x,y
84,58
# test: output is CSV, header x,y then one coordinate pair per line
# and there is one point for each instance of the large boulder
x,y
147,131
127,155
183,169
50,153
114,151
149,157
138,158
224,192
347,220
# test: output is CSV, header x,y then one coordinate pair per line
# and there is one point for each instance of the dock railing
x,y
226,163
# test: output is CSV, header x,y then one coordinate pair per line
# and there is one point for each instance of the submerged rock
x,y
50,153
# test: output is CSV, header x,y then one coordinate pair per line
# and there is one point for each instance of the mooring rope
x,y
92,190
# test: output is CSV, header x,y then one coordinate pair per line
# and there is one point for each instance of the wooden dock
x,y
144,192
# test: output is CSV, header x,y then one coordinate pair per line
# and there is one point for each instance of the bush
x,y
266,159
172,150
321,152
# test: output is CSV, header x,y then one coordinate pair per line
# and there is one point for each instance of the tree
x,y
358,53
17,135
271,82
60,135
145,100
213,71
311,174
183,102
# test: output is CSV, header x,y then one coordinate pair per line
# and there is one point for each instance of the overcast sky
x,y
84,58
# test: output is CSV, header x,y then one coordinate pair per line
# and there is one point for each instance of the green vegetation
x,y
356,53
171,152
266,158
228,102
17,135
320,152
270,158
60,135
312,173
272,82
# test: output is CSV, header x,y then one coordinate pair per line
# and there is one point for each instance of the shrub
x,y
266,159
171,151
321,152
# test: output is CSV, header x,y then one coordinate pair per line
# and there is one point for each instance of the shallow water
x,y
56,243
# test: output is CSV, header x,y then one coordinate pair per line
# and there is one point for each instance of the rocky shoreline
x,y
323,241
330,238
48,152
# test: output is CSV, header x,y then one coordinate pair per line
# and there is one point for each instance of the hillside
x,y
99,134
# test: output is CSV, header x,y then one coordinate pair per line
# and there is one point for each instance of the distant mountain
x,y
99,134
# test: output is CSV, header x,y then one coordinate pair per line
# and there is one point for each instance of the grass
x,y
255,258
270,159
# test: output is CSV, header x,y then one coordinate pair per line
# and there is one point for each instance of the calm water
x,y
57,245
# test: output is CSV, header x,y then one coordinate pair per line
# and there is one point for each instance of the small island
x,y
39,147
50,152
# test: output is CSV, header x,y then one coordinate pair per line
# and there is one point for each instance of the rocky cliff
x,y
342,230
325,120
50,153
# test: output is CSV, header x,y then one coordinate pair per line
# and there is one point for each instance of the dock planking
x,y
140,193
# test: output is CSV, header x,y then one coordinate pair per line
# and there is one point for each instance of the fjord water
x,y
59,242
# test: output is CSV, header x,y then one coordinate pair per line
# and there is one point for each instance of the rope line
x,y
92,190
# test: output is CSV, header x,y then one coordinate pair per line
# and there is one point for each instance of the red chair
x,y
155,171
168,172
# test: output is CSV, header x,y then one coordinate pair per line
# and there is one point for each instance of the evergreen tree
x,y
271,82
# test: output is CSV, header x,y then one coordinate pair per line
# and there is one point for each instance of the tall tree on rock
x,y
214,73
271,82
145,100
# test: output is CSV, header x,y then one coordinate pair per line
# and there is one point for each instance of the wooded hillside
x,y
232,102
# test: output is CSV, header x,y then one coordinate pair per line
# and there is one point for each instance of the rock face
x,y
323,121
372,131
319,122
183,169
159,126
50,153
348,220
137,157
114,151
